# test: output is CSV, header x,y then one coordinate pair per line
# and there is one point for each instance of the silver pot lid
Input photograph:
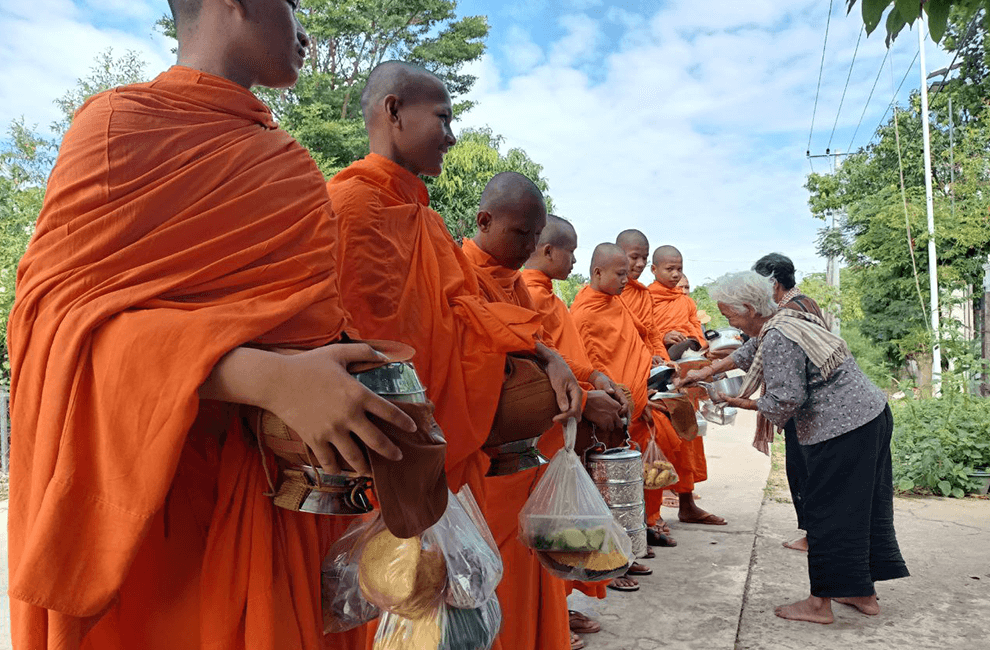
x,y
617,454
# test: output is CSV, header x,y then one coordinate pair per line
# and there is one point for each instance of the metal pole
x,y
985,389
932,259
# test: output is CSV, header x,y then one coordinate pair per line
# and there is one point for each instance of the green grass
x,y
776,488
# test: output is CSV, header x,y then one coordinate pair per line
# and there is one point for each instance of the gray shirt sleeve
x,y
743,356
784,372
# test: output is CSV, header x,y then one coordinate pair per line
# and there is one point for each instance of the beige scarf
x,y
825,350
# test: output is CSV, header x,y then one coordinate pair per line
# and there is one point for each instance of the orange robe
x,y
534,603
559,331
617,345
639,299
675,310
403,278
179,223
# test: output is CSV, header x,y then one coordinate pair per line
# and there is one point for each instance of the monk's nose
x,y
301,34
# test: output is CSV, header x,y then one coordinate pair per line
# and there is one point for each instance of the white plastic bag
x,y
658,472
448,628
474,568
344,607
568,523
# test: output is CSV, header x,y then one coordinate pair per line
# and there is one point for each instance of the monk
x,y
617,343
511,215
635,294
403,277
677,317
552,260
183,237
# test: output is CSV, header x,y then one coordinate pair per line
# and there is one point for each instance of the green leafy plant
x,y
939,441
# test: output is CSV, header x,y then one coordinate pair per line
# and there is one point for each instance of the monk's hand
x,y
658,361
315,396
565,385
603,382
738,402
602,410
673,337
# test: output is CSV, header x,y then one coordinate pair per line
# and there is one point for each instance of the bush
x,y
938,441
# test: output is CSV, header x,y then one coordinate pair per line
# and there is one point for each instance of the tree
x,y
905,12
568,289
467,168
24,162
348,38
26,159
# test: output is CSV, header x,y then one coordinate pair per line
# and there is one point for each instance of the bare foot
x,y
812,609
866,604
798,544
624,583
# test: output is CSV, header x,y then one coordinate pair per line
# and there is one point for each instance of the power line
x,y
970,33
843,98
821,69
893,99
879,72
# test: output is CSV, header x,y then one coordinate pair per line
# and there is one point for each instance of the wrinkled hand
x,y
603,382
315,396
602,410
673,337
738,402
693,377
659,361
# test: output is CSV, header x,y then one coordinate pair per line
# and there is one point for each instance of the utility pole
x,y
932,259
985,327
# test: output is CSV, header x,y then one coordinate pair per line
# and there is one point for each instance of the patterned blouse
x,y
795,388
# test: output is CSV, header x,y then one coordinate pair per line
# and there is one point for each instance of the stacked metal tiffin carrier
x,y
618,474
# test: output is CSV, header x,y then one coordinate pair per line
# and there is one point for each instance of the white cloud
x,y
695,129
520,50
48,44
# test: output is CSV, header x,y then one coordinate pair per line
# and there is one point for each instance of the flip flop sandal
x,y
576,642
612,585
581,624
650,554
637,569
656,538
709,519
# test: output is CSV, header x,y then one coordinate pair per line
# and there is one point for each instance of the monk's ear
x,y
236,6
548,251
484,221
392,105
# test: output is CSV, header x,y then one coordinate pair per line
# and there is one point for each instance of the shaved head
x,y
406,81
609,269
184,12
558,232
632,237
607,255
508,190
666,252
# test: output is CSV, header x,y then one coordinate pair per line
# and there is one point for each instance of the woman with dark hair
x,y
843,430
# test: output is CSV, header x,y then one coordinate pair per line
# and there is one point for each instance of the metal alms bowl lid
x,y
616,454
397,378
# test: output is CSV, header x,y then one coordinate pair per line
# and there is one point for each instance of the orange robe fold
x,y
559,329
534,603
617,345
402,277
640,300
179,223
675,310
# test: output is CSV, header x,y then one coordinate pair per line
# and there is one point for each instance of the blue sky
x,y
686,120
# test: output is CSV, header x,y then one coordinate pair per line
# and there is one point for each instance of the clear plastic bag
x,y
407,577
658,472
344,607
474,567
447,628
568,523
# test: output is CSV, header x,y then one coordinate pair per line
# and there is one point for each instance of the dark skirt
x,y
848,511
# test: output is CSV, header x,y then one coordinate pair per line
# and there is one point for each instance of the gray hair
x,y
737,290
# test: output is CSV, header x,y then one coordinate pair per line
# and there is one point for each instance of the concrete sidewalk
x,y
695,595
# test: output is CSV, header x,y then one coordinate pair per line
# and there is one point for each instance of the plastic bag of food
x,y
344,607
447,628
658,472
567,522
407,577
474,568
471,507
472,629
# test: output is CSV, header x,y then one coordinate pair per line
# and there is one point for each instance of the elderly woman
x,y
843,427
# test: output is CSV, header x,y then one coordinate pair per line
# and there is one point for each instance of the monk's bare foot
x,y
812,609
866,604
690,513
624,583
798,544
